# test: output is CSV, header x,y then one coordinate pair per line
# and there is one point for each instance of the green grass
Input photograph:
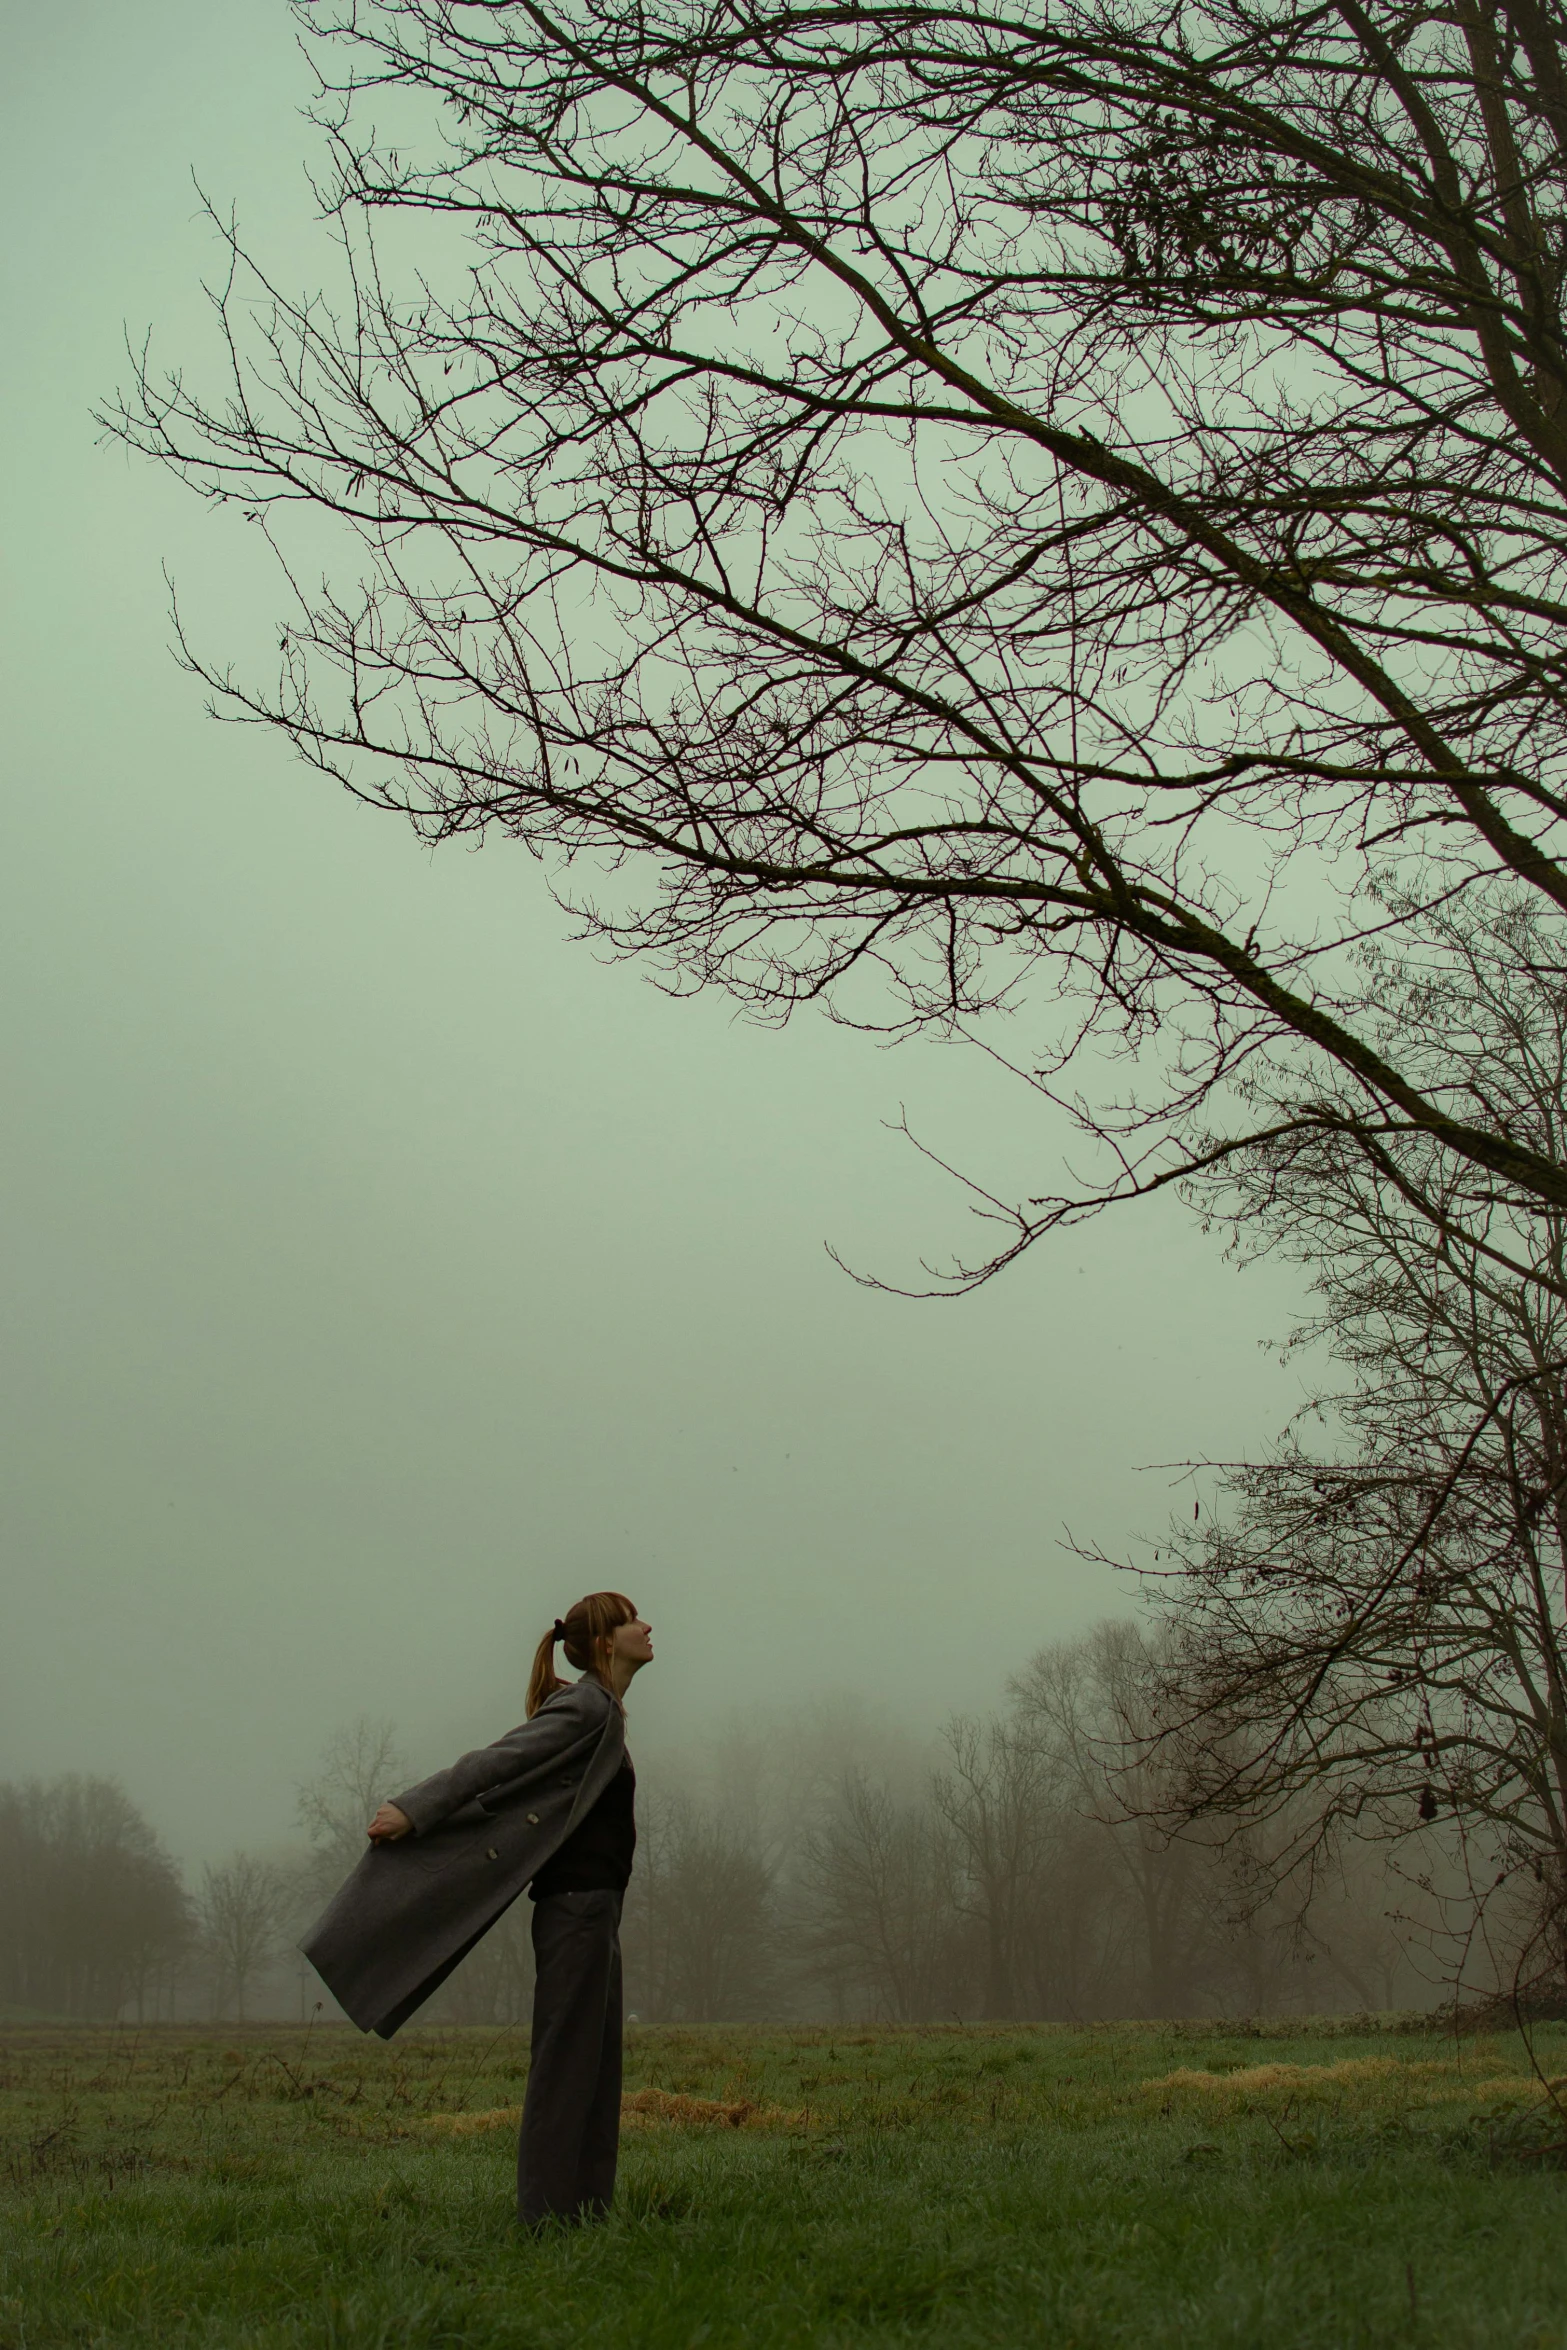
x,y
261,2190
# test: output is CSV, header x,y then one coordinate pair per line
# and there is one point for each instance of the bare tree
x,y
993,1794
881,1924
698,1928
242,1907
1088,1704
359,1767
1373,1633
950,512
1359,1925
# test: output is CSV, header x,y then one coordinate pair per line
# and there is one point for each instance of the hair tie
x,y
559,1632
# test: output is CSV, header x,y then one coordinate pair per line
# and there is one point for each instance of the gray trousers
x,y
571,2114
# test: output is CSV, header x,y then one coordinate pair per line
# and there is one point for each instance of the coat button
x,y
492,1854
533,1819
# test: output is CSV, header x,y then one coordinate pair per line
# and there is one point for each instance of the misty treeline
x,y
831,1867
93,1912
97,1919
824,1864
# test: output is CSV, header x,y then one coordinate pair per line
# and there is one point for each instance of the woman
x,y
549,1806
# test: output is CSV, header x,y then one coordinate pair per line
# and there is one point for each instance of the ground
x,y
262,2188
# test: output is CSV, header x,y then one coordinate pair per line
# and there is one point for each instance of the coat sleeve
x,y
557,1726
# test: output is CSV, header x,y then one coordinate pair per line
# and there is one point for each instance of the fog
x,y
382,1270
802,1865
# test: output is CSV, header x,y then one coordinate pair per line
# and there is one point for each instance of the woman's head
x,y
602,1635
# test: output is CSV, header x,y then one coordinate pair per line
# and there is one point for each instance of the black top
x,y
596,1856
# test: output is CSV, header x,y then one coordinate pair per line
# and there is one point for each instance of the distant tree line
x,y
1013,1876
1006,1874
93,1914
814,1868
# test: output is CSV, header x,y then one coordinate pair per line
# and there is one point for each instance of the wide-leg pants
x,y
571,2115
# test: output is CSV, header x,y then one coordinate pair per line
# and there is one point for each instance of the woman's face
x,y
633,1642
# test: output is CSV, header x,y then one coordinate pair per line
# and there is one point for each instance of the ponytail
x,y
543,1681
583,1632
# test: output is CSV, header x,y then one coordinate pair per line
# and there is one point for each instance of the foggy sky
x,y
382,1270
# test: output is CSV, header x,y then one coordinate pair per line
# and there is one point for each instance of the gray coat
x,y
412,1909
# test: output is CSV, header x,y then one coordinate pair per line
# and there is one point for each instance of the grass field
x,y
1134,2185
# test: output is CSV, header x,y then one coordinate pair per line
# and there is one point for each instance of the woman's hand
x,y
388,1824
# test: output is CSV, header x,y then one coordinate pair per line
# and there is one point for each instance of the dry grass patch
x,y
640,2109
1428,2082
661,2108
469,2125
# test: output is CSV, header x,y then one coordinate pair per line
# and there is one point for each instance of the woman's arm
x,y
558,1725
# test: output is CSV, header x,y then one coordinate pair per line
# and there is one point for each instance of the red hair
x,y
585,1632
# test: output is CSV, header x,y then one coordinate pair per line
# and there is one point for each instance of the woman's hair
x,y
584,1632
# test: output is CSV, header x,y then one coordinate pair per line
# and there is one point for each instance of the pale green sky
x,y
380,1269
